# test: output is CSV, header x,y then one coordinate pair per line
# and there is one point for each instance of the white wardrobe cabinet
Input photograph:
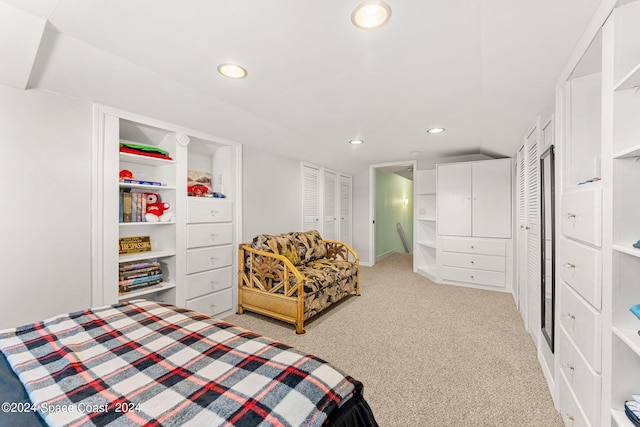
x,y
474,246
474,199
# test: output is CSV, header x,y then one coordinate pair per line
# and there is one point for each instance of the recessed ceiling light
x,y
370,15
435,130
233,71
356,141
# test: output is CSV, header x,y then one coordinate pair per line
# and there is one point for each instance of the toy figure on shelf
x,y
157,210
197,190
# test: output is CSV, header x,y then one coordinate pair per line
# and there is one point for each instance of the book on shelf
x,y
134,245
144,150
140,182
141,280
123,289
133,206
143,272
137,265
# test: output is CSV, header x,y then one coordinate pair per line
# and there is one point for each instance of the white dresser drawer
x,y
484,247
582,323
478,277
581,267
584,381
480,262
212,304
572,415
204,209
199,235
581,216
208,258
208,281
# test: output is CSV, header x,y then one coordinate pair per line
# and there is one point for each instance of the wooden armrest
x,y
286,265
349,250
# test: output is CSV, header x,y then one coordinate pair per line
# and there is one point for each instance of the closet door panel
x,y
454,199
311,198
345,208
330,205
491,189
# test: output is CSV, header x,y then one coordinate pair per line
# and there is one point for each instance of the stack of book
x,y
138,275
133,206
144,150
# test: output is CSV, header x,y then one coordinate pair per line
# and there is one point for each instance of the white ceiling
x,y
480,68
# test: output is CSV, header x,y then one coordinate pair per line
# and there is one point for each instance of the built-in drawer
x,y
199,235
475,246
208,281
480,262
478,277
202,259
581,322
581,267
584,381
203,209
581,215
212,304
570,411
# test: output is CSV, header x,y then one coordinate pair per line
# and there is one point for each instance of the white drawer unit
x,y
570,411
202,259
475,246
204,209
585,383
581,216
212,304
199,235
199,284
581,267
474,261
477,277
582,323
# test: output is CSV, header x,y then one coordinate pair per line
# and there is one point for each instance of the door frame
x,y
372,204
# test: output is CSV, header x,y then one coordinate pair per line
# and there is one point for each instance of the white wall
x,y
45,220
271,194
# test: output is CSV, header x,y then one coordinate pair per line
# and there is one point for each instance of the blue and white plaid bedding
x,y
145,363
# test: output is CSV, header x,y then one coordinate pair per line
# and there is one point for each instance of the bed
x,y
147,363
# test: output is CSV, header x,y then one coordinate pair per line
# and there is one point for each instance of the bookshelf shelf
x,y
164,286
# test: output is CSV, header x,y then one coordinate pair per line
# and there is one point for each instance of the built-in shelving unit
x,y
176,244
625,166
425,223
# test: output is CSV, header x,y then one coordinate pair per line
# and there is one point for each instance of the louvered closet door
x,y
533,232
311,198
345,208
520,286
330,205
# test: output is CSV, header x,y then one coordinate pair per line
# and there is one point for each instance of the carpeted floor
x,y
428,354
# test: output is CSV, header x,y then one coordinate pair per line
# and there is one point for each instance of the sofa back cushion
x,y
309,246
281,244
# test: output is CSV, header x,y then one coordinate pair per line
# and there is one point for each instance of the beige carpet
x,y
428,354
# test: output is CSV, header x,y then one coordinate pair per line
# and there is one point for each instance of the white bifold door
x,y
326,200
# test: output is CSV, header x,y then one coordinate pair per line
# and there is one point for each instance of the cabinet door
x,y
330,205
345,208
454,199
311,198
491,188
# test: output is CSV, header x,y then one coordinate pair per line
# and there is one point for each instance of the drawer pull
x,y
571,215
473,247
472,262
569,265
213,236
213,212
569,366
569,417
471,277
571,316
213,284
212,259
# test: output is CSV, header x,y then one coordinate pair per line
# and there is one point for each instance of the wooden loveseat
x,y
293,276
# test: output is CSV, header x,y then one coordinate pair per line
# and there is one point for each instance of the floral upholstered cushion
x,y
324,273
281,244
309,246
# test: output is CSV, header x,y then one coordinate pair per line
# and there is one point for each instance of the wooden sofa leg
x,y
300,328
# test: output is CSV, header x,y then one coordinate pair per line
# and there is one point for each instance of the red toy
x,y
125,173
198,190
156,210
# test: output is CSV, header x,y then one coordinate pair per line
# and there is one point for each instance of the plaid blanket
x,y
145,363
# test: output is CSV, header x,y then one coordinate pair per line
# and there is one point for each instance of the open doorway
x,y
391,209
